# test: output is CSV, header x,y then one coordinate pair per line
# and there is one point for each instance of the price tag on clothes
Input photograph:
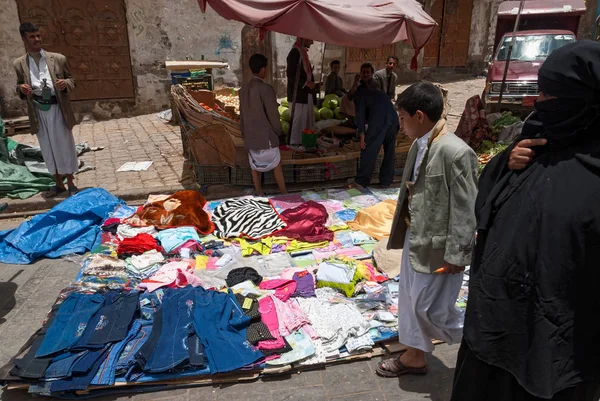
x,y
247,303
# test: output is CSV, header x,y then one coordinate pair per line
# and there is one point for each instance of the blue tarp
x,y
72,226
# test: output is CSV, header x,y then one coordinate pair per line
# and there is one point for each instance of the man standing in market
x,y
387,78
260,123
375,111
304,114
362,80
44,80
434,225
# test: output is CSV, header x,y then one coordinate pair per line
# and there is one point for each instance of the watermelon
x,y
285,103
317,114
337,114
285,127
331,101
281,110
286,115
326,114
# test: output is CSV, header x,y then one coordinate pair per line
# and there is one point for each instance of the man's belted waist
x,y
41,100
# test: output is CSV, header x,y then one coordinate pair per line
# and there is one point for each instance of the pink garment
x,y
291,316
318,255
173,274
192,245
335,21
283,288
268,314
353,251
287,201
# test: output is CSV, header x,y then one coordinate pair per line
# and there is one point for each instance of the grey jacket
x,y
442,204
259,116
59,69
382,78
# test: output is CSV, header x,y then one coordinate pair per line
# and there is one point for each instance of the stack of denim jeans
x,y
97,339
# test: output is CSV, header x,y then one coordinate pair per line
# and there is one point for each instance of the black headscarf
x,y
571,74
531,309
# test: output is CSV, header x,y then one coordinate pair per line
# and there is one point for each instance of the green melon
x,y
337,114
331,101
285,127
286,115
326,114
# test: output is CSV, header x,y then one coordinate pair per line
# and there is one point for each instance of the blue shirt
x,y
374,108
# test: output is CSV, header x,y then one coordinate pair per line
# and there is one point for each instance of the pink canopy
x,y
349,23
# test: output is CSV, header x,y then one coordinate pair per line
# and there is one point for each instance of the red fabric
x,y
306,223
334,22
305,60
112,220
473,127
283,288
137,245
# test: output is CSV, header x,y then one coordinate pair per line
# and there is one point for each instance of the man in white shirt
x,y
44,80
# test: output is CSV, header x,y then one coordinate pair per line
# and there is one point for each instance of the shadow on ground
x,y
8,290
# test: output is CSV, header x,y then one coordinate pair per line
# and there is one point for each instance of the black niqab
x,y
535,273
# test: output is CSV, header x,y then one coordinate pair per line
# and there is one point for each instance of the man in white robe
x,y
434,225
304,114
44,80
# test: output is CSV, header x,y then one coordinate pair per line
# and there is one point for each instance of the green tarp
x,y
16,181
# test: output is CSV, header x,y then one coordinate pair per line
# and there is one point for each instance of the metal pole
x,y
510,49
295,91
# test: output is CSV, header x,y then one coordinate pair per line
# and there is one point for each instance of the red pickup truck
x,y
545,26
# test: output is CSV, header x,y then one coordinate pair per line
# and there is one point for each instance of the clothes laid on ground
x,y
173,238
248,313
240,275
307,223
335,323
72,226
139,244
183,208
252,218
126,231
173,274
375,221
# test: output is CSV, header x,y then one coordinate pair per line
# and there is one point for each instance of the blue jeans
x,y
375,139
81,379
107,372
62,366
177,325
127,357
221,325
70,323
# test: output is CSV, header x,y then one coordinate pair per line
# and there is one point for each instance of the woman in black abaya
x,y
532,326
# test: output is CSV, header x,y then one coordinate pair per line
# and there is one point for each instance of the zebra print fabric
x,y
252,218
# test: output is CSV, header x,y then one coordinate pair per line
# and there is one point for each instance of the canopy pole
x,y
510,49
289,139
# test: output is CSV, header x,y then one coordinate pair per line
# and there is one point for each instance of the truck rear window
x,y
532,47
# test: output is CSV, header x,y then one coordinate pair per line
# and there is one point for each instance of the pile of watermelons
x,y
330,109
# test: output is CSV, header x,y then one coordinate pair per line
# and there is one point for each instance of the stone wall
x,y
11,47
160,30
588,21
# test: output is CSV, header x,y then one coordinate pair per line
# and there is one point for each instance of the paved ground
x,y
143,138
